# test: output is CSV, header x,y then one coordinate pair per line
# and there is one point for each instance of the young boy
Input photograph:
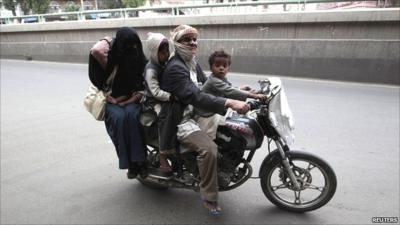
x,y
217,83
158,49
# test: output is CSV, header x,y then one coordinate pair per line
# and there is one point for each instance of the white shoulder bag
x,y
95,100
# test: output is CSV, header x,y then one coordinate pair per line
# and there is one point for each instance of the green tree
x,y
39,6
110,4
10,5
72,8
36,6
26,6
133,3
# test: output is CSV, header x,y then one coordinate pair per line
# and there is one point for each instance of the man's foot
x,y
212,207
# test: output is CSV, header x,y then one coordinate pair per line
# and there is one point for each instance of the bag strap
x,y
110,79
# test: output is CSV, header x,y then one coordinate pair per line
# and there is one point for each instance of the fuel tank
x,y
240,132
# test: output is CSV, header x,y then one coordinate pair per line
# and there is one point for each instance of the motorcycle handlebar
x,y
254,104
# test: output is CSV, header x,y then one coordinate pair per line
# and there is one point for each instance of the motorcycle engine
x,y
227,163
224,179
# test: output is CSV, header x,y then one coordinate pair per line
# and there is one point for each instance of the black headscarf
x,y
127,54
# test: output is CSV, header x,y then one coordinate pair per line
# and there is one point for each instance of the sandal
x,y
212,206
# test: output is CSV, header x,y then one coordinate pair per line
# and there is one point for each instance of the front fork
x,y
286,164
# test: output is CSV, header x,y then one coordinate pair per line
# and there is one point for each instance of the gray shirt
x,y
223,88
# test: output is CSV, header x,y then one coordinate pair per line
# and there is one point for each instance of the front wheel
x,y
316,178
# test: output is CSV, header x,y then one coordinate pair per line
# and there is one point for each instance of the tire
x,y
152,185
318,187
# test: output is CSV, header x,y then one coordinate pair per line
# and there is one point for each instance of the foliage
x,y
133,3
115,4
110,4
36,6
39,6
9,4
26,6
72,8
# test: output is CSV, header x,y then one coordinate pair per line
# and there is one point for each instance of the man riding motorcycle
x,y
182,77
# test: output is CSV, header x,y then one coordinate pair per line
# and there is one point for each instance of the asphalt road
x,y
58,165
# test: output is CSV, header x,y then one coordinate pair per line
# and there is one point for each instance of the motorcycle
x,y
296,181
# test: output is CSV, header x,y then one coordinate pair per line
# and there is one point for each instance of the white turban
x,y
181,30
183,50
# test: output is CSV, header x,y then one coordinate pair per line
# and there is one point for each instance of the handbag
x,y
95,99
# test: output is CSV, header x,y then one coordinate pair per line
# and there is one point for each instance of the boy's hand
x,y
261,97
253,91
245,88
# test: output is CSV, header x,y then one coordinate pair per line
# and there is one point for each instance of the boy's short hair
x,y
219,53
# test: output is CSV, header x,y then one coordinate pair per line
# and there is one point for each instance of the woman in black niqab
x,y
127,54
123,108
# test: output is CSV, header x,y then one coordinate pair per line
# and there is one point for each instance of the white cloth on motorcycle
x,y
280,113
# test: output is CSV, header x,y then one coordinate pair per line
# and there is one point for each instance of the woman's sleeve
x,y
153,86
100,51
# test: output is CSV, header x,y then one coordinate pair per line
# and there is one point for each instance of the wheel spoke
x,y
310,167
314,187
297,197
279,187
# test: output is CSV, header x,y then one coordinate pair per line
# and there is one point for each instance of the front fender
x,y
274,155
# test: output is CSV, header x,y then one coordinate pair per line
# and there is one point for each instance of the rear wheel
x,y
316,178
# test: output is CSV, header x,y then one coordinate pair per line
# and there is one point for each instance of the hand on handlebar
x,y
239,106
261,97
